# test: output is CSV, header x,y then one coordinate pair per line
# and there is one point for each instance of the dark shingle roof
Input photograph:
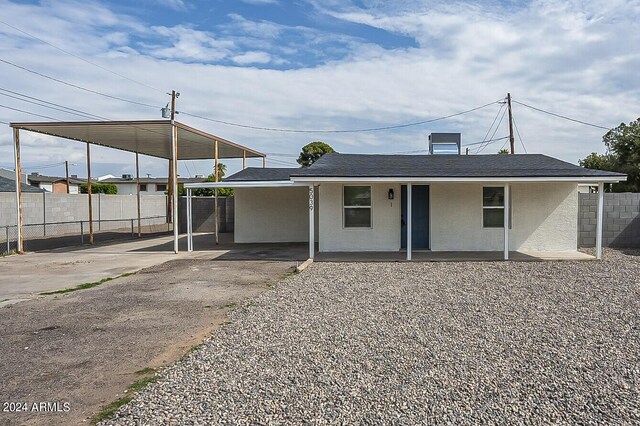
x,y
260,174
50,179
498,165
9,185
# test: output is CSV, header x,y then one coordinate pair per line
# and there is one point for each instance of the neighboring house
x,y
148,185
55,184
11,175
456,203
9,185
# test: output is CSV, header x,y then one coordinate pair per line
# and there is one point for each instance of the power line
x,y
372,129
43,104
482,147
561,116
494,120
519,137
76,86
81,58
30,113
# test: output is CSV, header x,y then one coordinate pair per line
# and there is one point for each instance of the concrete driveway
x,y
24,276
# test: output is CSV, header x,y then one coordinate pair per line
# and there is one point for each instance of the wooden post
x,y
599,218
244,159
215,192
66,167
18,168
89,193
170,189
174,160
264,162
511,138
138,194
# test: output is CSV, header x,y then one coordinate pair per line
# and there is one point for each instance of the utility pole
x,y
66,167
171,171
511,138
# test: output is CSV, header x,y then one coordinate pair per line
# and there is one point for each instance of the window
x,y
493,207
143,187
161,187
357,206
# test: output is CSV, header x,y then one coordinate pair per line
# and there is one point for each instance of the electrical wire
x,y
372,129
518,132
76,86
83,115
30,113
482,147
560,116
81,58
494,120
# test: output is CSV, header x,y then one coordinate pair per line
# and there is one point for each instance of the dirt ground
x,y
83,348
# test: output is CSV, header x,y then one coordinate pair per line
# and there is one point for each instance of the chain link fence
x,y
42,236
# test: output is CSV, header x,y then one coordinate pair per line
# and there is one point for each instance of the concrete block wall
x,y
203,217
621,224
51,208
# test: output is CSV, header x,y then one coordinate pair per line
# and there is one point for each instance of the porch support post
x,y
264,162
174,183
18,168
599,220
189,222
312,226
244,159
409,219
506,222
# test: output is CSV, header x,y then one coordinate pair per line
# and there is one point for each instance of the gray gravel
x,y
408,343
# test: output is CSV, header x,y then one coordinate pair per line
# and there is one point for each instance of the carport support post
x,y
312,225
18,168
244,159
264,162
599,220
174,183
409,221
215,191
89,193
189,222
138,193
506,222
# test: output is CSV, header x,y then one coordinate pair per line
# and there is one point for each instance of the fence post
x,y
132,234
81,233
6,228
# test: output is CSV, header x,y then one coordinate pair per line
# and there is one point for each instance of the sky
x,y
319,65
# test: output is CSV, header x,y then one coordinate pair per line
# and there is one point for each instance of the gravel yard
x,y
407,343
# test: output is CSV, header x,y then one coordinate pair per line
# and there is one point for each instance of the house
x,y
55,184
391,203
9,185
148,185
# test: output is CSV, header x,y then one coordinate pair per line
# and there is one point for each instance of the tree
x,y
208,192
312,152
222,170
623,155
503,151
99,188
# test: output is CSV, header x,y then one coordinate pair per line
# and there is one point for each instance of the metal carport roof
x,y
148,137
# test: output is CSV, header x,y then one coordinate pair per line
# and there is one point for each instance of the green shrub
x,y
100,188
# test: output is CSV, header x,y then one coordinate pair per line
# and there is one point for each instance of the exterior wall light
x,y
390,194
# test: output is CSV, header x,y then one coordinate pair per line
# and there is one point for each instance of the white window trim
x,y
496,207
370,207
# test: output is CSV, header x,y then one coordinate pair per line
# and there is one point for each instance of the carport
x,y
166,139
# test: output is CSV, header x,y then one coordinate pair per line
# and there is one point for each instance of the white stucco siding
x,y
384,235
271,215
545,217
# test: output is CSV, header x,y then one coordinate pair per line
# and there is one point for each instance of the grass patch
x,y
110,410
230,305
207,306
147,370
84,286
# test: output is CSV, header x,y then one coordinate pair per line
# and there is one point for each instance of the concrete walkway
x,y
24,276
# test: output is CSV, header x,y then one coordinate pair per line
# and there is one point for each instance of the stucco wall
x,y
269,215
384,235
544,218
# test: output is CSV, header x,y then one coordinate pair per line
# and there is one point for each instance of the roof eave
x,y
469,179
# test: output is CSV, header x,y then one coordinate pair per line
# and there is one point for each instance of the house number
x,y
310,198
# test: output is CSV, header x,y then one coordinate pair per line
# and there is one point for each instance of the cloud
x,y
179,5
577,58
260,2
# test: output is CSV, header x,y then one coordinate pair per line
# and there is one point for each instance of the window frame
x,y
370,207
145,186
161,184
509,219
